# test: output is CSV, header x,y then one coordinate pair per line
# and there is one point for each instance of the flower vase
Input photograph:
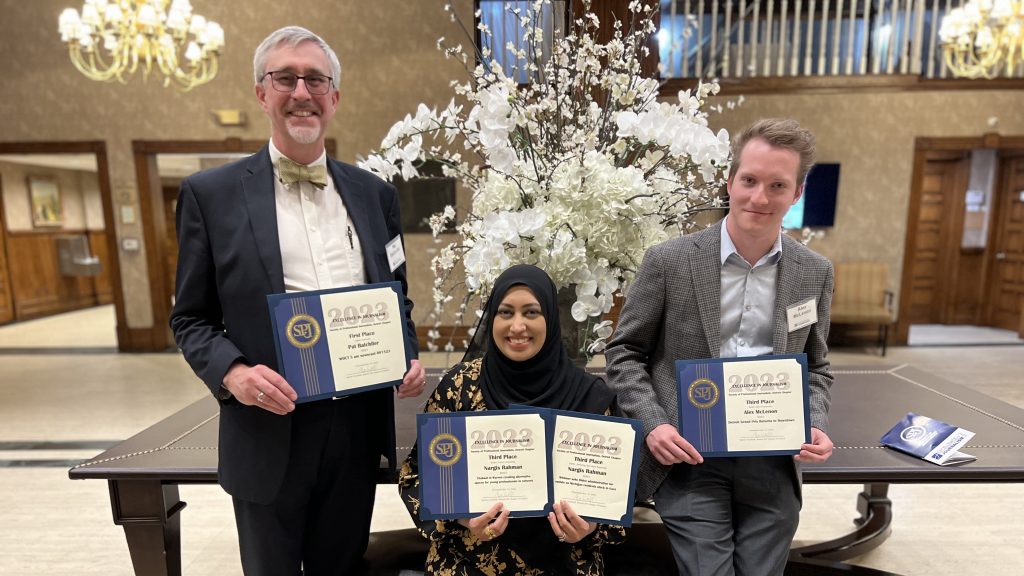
x,y
573,332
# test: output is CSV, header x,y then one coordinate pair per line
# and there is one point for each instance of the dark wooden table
x,y
144,471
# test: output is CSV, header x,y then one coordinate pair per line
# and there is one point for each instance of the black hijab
x,y
549,379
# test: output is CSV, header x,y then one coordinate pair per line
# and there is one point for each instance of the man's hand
x,y
413,382
488,525
670,448
260,386
818,450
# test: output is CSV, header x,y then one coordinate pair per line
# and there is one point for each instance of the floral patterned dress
x,y
455,551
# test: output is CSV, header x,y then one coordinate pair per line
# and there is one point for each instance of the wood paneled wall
x,y
37,286
101,282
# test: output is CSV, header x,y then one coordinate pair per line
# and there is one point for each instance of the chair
x,y
862,296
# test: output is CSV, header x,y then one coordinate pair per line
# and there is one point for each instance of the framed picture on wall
x,y
44,194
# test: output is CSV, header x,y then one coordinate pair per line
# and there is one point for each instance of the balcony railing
x,y
754,46
803,38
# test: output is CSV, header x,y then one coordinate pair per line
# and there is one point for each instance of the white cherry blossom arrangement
x,y
578,171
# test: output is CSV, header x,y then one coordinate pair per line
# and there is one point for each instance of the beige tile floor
x,y
81,389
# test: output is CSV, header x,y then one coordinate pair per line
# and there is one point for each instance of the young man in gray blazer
x,y
302,477
724,292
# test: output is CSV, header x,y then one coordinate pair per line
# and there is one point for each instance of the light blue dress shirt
x,y
748,300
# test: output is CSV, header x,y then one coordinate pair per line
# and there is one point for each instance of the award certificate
x,y
527,458
342,341
593,465
470,460
754,406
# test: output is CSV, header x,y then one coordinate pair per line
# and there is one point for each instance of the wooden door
x,y
1006,281
935,238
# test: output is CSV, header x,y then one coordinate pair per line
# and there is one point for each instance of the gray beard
x,y
304,135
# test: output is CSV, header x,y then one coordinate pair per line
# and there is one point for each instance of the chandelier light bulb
x,y
85,38
90,15
177,20
1002,9
114,14
68,24
147,16
198,24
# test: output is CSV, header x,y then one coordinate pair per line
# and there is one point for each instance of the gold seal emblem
x,y
303,331
445,450
703,393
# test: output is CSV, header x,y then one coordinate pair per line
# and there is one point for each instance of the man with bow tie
x,y
302,477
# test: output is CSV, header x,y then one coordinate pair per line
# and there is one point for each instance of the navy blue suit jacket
x,y
229,260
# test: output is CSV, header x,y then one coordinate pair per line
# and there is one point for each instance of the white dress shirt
x,y
319,246
748,300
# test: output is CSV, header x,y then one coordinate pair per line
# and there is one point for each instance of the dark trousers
x,y
731,516
319,523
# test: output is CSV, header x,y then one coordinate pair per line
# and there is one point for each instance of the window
x,y
502,39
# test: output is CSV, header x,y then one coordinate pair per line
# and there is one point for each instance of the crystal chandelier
x,y
983,37
113,38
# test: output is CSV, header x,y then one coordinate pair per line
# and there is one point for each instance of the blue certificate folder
x,y
929,439
341,341
754,406
449,465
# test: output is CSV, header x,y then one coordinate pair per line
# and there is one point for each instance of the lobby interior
x,y
88,361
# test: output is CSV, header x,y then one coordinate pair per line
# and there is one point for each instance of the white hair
x,y
293,36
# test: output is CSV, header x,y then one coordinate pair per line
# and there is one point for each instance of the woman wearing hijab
x,y
523,362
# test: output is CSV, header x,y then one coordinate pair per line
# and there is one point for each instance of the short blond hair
x,y
784,133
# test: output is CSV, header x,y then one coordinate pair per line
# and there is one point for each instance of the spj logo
x,y
913,434
445,450
303,331
703,393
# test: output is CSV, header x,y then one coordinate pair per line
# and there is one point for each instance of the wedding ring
x,y
259,397
490,533
561,538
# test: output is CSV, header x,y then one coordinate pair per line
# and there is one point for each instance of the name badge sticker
x,y
802,314
396,254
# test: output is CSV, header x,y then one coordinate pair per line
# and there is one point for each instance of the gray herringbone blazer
x,y
672,312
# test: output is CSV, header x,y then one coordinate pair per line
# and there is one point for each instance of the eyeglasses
x,y
284,81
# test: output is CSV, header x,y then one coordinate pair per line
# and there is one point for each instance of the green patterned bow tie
x,y
292,172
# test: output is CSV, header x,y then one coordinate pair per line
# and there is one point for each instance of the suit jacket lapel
x,y
258,189
787,290
358,212
706,271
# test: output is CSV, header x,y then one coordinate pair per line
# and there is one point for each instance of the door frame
x,y
922,147
113,270
7,298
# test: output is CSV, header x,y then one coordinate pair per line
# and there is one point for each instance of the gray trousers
x,y
731,516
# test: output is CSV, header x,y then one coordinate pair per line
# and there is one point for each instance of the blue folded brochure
x,y
929,439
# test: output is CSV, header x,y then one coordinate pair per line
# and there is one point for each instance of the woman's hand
x,y
567,525
488,525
